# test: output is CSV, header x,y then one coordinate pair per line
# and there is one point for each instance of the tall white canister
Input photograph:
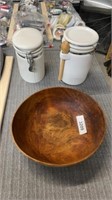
x,y
82,42
28,45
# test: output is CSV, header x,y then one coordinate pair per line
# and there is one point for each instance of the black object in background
x,y
1,61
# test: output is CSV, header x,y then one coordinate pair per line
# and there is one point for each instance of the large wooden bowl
x,y
45,127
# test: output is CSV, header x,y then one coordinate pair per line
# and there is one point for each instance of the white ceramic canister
x,y
28,45
82,42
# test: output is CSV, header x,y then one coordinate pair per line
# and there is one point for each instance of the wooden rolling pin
x,y
65,49
4,85
47,26
12,23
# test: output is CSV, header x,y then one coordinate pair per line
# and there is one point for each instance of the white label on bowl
x,y
81,124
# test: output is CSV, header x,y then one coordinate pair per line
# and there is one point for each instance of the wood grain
x,y
65,49
45,129
61,69
4,84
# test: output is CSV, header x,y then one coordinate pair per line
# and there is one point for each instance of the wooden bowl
x,y
45,126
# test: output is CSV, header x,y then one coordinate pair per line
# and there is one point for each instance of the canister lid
x,y
27,38
81,36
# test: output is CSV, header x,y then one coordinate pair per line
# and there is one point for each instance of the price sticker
x,y
81,124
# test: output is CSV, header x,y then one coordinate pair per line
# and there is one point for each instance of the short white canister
x,y
82,42
28,45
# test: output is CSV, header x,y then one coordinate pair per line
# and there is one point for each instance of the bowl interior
x,y
45,127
